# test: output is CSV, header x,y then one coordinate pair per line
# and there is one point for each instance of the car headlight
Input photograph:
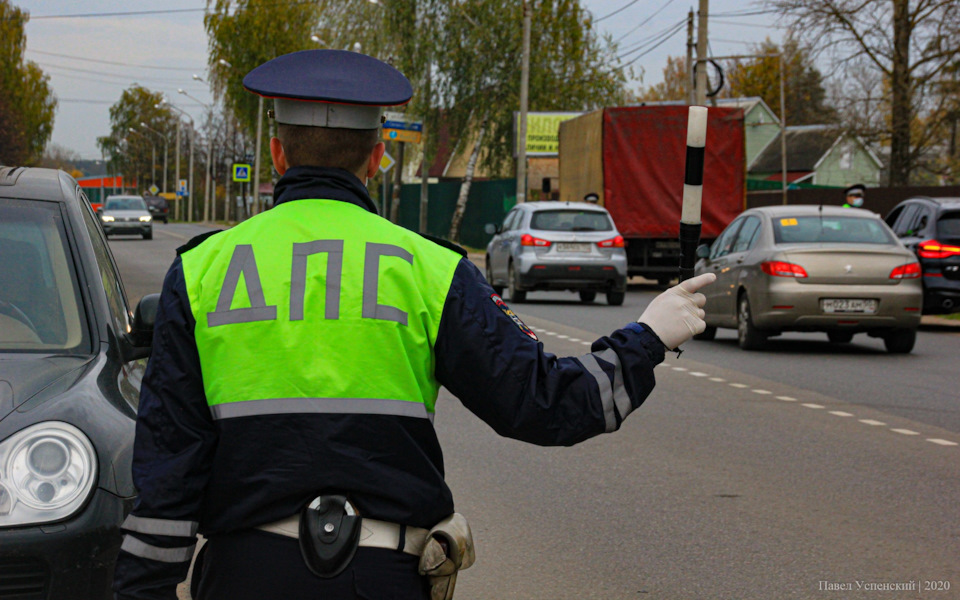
x,y
46,473
106,219
146,219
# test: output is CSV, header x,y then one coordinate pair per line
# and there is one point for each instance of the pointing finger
x,y
694,284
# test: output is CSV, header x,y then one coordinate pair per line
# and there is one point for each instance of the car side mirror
x,y
703,251
490,229
140,337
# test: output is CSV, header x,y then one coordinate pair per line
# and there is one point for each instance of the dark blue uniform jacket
x,y
194,473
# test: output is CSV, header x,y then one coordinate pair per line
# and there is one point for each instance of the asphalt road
x,y
806,471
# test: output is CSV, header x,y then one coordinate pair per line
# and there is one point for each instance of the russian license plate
x,y
849,305
572,247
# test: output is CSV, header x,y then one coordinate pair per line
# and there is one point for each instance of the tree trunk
x,y
465,186
901,110
397,184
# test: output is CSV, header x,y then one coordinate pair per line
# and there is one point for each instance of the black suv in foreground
x,y
930,227
70,370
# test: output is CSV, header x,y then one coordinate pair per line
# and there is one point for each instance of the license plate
x,y
572,247
848,305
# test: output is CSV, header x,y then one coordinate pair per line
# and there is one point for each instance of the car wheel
x,y
587,296
516,294
840,337
615,298
498,289
664,281
148,235
708,334
748,336
900,341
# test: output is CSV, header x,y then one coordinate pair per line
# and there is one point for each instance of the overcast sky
x,y
163,51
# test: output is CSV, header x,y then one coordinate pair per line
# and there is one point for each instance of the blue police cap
x,y
329,88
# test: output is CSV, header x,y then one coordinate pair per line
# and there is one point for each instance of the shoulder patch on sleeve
x,y
445,243
513,316
196,241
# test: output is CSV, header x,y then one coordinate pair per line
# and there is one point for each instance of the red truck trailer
x,y
634,159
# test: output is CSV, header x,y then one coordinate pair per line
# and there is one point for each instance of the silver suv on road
x,y
558,246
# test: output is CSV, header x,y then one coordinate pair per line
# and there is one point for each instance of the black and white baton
x,y
692,190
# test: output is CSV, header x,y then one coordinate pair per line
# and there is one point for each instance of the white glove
x,y
677,314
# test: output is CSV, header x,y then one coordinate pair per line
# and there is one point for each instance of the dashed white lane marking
x,y
838,413
905,431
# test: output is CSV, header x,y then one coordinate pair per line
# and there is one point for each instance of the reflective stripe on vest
x,y
318,306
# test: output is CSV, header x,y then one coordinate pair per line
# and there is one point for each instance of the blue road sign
x,y
241,172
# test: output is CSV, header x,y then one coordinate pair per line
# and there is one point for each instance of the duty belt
x,y
373,534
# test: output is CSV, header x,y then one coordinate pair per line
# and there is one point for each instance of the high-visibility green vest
x,y
318,306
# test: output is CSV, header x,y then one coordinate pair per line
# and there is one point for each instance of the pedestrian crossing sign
x,y
241,172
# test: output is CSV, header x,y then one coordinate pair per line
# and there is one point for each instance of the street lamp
x,y
256,147
164,101
153,147
206,186
165,152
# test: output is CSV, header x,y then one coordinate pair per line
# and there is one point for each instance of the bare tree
x,y
909,42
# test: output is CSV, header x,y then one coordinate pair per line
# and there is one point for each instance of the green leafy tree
x,y
674,84
27,104
803,83
132,152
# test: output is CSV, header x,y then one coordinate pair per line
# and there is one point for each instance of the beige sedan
x,y
812,268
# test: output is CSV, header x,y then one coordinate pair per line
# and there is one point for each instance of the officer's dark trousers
x,y
255,565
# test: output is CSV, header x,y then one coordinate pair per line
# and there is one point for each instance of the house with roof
x,y
822,155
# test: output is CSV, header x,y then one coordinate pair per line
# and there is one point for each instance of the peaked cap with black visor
x,y
329,88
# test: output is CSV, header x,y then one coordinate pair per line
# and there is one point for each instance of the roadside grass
x,y
954,316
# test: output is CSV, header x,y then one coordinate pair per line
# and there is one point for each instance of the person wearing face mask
x,y
854,196
287,410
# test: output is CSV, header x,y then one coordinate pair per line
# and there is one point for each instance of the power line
x,y
762,26
675,31
645,21
622,8
70,69
656,39
110,62
132,13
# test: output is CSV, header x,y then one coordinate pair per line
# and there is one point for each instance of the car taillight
x,y
778,268
907,271
934,249
529,240
616,242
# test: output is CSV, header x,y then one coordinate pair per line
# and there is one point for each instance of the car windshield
x,y
40,307
125,204
830,229
948,227
571,220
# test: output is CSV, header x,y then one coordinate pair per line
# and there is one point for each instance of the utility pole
x,y
397,185
691,84
228,154
189,218
702,52
425,165
783,131
524,92
256,157
179,209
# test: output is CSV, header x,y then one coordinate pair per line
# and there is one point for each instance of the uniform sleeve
x,y
502,374
173,449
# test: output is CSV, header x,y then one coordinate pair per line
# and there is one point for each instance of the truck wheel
x,y
708,334
587,296
615,298
900,341
498,289
748,336
516,294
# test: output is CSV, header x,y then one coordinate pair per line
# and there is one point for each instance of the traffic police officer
x,y
297,359
854,196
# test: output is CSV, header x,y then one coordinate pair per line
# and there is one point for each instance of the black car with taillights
x,y
930,227
71,362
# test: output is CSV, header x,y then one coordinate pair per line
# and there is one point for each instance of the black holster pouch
x,y
329,535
